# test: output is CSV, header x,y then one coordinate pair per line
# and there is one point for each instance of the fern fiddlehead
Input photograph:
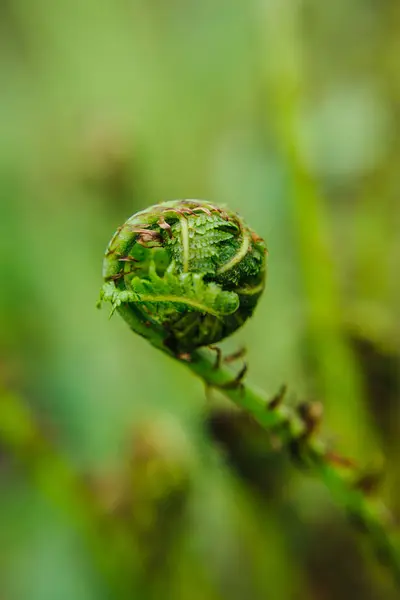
x,y
185,272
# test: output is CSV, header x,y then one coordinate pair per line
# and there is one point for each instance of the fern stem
x,y
287,425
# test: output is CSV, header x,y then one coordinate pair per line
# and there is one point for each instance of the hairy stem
x,y
293,431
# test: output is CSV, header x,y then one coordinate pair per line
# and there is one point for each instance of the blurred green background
x,y
118,479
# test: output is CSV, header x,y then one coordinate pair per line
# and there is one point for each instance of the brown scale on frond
x,y
203,209
237,382
224,215
166,226
128,259
148,238
311,415
183,211
171,212
277,400
115,277
234,356
139,228
110,252
256,238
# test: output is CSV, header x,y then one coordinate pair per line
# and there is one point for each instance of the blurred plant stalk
x,y
337,372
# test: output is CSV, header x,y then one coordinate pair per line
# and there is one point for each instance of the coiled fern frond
x,y
185,271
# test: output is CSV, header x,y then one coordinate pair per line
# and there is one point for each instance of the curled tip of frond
x,y
191,269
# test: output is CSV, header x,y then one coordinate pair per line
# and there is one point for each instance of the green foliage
x,y
211,242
